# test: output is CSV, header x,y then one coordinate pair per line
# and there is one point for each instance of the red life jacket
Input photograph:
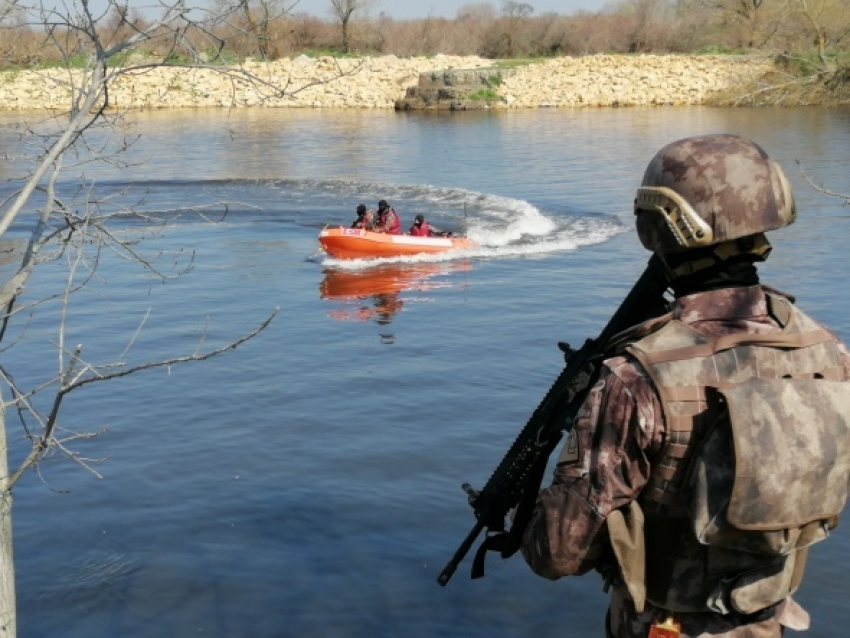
x,y
421,230
395,222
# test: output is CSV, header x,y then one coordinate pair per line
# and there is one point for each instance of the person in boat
x,y
387,220
365,218
736,386
420,227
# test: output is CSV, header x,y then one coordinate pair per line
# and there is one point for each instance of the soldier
x,y
387,220
713,448
420,227
365,218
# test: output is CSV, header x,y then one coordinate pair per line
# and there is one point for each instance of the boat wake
x,y
500,226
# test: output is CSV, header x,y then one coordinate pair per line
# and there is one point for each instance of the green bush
x,y
78,61
223,57
178,60
719,49
515,62
330,52
800,65
488,95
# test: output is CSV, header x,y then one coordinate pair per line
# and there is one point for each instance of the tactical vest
x,y
755,463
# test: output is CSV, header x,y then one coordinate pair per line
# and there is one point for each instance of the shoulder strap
x,y
617,343
789,337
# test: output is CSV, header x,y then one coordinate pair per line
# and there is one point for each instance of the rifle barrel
x,y
451,566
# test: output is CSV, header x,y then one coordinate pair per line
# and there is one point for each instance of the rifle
x,y
516,481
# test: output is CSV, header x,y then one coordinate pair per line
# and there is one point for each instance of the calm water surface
x,y
308,484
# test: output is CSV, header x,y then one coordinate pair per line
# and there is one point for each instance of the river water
x,y
308,483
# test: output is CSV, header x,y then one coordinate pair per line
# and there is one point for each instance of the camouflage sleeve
x,y
603,466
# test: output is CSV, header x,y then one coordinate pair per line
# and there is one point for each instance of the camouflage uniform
x,y
366,220
607,462
387,220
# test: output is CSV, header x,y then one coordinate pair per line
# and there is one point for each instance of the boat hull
x,y
356,243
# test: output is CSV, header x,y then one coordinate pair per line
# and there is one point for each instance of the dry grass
x,y
779,88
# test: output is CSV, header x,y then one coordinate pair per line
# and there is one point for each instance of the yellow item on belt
x,y
668,629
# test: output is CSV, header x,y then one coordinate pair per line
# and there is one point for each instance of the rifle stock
x,y
516,481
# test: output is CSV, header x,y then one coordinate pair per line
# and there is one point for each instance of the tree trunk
x,y
821,45
8,617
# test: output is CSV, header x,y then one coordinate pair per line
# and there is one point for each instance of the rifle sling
x,y
491,543
508,543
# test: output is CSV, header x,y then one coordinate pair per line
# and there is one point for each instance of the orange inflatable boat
x,y
356,243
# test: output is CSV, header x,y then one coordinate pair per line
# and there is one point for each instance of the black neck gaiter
x,y
736,272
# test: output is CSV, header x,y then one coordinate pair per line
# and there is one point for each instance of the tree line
x,y
816,32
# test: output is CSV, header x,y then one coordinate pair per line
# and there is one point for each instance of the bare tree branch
x,y
74,232
822,189
73,379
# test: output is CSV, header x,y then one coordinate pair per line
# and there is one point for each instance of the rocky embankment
x,y
383,83
590,81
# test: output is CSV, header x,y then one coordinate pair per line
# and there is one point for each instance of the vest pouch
x,y
626,534
771,474
753,590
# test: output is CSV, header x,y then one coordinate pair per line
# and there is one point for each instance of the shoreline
x,y
379,82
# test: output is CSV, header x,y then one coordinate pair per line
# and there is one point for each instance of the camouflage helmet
x,y
707,190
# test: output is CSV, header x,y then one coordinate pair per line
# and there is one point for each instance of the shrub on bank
x,y
621,28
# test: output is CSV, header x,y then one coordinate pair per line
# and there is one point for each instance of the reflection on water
x,y
376,293
337,522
